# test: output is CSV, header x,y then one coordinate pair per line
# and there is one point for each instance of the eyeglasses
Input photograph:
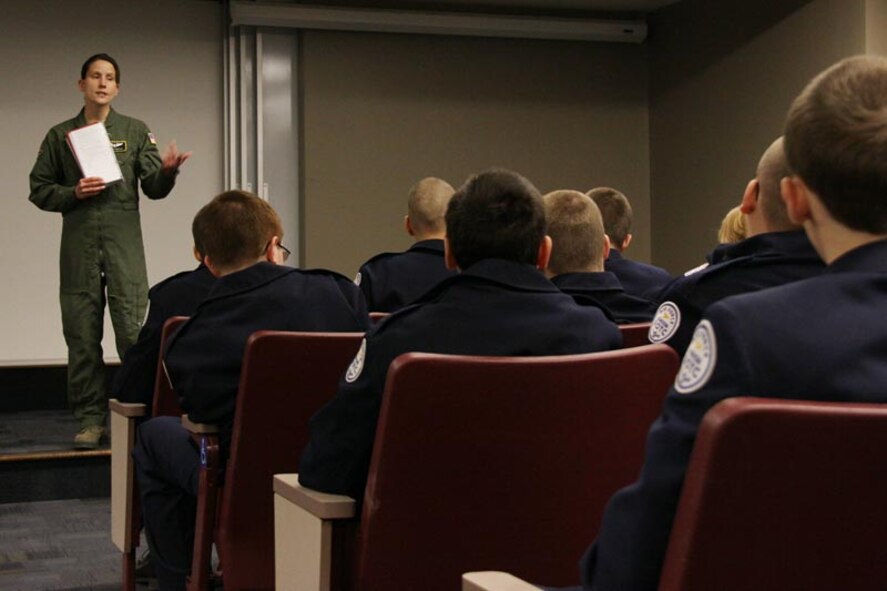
x,y
286,252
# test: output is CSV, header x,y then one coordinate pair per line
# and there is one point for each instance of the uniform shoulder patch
x,y
665,323
699,360
358,278
356,367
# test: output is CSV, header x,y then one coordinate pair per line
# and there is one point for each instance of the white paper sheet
x,y
95,155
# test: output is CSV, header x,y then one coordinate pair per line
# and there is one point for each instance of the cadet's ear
x,y
449,257
211,266
750,197
544,253
606,247
625,242
408,226
197,256
796,196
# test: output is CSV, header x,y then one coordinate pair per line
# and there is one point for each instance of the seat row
x,y
483,464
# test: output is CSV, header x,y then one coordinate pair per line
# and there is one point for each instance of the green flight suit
x,y
101,250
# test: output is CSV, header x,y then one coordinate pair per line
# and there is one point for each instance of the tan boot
x,y
89,437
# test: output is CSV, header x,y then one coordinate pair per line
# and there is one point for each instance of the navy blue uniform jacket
x,y
391,280
495,307
637,278
178,295
605,290
204,357
823,338
759,262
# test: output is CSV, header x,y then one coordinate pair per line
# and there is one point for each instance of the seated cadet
x,y
391,280
579,248
178,295
253,291
637,278
499,304
776,252
820,338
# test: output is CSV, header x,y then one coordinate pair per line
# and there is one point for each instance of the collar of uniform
x,y
599,281
434,245
247,279
509,273
870,257
792,242
614,255
111,119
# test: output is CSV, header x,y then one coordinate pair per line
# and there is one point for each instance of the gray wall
x,y
722,76
382,111
171,77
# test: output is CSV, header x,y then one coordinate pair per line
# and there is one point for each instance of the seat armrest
x,y
494,581
304,530
127,409
124,530
199,428
321,505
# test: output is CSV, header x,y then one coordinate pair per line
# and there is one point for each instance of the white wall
x,y
171,77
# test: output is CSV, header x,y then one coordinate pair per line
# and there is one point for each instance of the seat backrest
x,y
286,378
497,463
635,335
166,402
377,317
783,494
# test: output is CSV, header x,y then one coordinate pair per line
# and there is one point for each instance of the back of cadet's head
x,y
772,168
427,206
616,213
235,228
577,233
84,69
495,214
836,141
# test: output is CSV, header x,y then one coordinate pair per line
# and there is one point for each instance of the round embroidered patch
x,y
357,278
665,323
357,365
699,360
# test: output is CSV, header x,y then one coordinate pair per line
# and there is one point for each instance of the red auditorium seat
x,y
479,462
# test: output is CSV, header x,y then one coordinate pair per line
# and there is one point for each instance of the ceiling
x,y
552,7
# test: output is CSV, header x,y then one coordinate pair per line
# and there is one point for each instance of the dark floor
x,y
38,431
58,545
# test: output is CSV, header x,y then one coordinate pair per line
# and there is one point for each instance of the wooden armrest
x,y
494,581
321,505
127,409
304,522
199,428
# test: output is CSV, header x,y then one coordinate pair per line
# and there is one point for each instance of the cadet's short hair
x,y
235,228
495,214
616,213
836,141
427,205
100,56
772,168
577,231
